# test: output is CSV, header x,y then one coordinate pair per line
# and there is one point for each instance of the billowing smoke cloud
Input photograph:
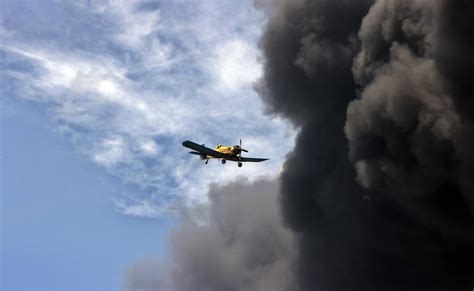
x,y
379,189
148,275
379,186
242,245
411,133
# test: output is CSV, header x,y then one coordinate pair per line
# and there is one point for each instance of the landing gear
x,y
223,161
239,164
207,160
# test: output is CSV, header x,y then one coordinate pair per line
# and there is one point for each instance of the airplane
x,y
224,153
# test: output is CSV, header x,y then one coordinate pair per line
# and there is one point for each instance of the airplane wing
x,y
244,159
204,150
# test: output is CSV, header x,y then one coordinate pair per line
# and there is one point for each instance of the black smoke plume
x,y
379,188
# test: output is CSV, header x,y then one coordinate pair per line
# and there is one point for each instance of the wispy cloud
x,y
129,94
143,208
233,65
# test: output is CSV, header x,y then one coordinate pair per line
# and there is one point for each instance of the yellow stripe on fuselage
x,y
227,150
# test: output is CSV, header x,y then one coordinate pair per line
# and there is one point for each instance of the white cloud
x,y
135,25
149,147
110,152
143,208
107,87
234,64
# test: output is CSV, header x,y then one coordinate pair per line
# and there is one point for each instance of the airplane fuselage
x,y
232,151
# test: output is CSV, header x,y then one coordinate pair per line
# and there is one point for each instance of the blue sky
x,y
97,97
58,228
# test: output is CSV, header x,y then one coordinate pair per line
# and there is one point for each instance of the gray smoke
x,y
148,275
242,245
407,135
378,193
379,186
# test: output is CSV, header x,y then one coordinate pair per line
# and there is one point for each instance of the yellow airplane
x,y
224,153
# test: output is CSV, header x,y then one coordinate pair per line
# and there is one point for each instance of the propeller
x,y
239,147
